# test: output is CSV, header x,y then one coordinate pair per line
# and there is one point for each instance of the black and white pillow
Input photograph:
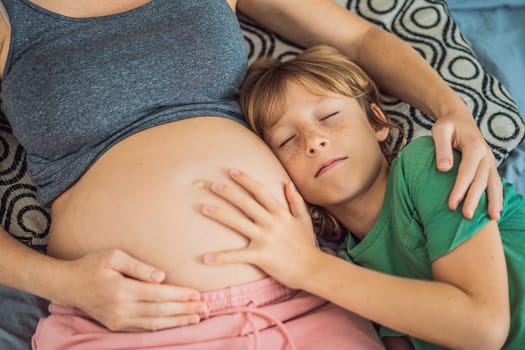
x,y
20,213
425,24
428,27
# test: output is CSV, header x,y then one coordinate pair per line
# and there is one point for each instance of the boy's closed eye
x,y
327,117
286,141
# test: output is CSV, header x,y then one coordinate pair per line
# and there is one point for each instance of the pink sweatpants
x,y
263,315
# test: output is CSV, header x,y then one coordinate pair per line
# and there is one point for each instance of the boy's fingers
x,y
229,257
256,189
234,220
295,201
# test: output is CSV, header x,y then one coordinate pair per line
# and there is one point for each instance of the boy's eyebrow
x,y
271,130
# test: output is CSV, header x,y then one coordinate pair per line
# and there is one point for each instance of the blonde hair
x,y
262,97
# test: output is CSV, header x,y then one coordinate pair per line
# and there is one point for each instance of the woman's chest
x,y
109,71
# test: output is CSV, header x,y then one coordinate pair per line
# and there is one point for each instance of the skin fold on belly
x,y
143,196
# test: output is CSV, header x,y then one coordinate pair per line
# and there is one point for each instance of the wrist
x,y
26,269
50,280
450,105
314,270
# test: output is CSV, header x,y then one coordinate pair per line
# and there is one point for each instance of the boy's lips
x,y
329,164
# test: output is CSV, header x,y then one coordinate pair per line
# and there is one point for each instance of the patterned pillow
x,y
20,213
429,28
425,24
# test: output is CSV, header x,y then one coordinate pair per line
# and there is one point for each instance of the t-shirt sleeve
x,y
387,332
429,190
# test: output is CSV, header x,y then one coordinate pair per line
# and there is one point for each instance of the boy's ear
x,y
381,132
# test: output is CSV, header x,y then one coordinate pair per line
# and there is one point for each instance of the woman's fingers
x,y
477,172
486,180
495,194
158,323
121,299
468,177
443,134
134,268
156,315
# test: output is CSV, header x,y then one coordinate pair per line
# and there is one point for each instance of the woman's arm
x,y
470,281
117,290
401,72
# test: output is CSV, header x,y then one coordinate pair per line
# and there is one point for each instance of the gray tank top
x,y
72,87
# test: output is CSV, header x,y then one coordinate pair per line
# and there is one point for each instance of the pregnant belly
x,y
143,196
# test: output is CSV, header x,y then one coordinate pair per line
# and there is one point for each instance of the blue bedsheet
x,y
496,30
482,4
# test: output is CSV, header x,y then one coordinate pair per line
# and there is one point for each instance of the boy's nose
x,y
316,146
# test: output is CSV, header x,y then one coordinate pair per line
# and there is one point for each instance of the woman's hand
x,y
282,241
125,294
477,170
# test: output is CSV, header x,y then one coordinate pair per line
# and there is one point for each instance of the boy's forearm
x,y
403,304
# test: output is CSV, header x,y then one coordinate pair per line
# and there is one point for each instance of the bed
x,y
478,46
496,30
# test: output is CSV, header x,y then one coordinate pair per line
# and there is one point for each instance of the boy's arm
x,y
400,71
470,281
470,284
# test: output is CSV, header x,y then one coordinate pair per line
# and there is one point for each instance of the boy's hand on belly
x,y
282,240
125,294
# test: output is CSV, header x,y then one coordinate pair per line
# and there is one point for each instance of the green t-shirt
x,y
415,227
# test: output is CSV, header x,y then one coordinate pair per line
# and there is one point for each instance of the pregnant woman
x,y
124,107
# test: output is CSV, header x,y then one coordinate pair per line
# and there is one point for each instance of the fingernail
x,y
235,172
194,319
208,208
217,186
210,258
201,309
157,275
443,163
